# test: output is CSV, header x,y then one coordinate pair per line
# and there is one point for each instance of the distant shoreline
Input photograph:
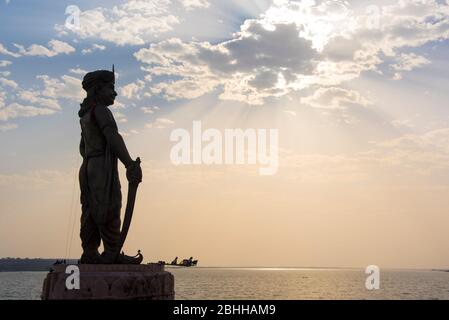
x,y
28,264
45,264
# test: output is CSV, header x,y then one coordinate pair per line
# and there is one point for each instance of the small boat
x,y
184,263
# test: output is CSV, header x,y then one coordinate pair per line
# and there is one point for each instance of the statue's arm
x,y
106,122
82,147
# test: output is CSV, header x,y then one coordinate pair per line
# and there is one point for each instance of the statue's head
x,y
100,86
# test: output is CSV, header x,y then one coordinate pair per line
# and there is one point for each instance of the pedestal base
x,y
124,282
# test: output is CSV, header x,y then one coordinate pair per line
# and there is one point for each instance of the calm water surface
x,y
265,283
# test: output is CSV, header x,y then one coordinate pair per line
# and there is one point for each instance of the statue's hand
x,y
134,172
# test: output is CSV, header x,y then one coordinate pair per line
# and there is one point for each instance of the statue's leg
x,y
90,238
89,234
110,235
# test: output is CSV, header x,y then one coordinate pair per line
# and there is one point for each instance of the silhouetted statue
x,y
101,199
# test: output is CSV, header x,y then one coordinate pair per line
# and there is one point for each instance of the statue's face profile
x,y
107,94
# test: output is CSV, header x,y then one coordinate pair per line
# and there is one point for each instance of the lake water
x,y
266,283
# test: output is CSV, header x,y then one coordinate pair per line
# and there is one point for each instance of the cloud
x,y
120,117
55,47
160,123
133,90
66,87
5,51
399,161
95,47
36,98
193,4
26,103
78,71
118,105
426,153
7,127
129,133
16,110
408,62
4,63
254,65
149,110
2,98
402,123
8,83
134,22
296,45
335,98
432,141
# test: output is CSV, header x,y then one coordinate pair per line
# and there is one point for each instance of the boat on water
x,y
184,263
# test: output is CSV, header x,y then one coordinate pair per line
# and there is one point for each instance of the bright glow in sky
x,y
358,92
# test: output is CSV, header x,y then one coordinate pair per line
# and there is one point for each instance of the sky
x,y
357,91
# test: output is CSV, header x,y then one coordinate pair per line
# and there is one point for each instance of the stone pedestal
x,y
124,282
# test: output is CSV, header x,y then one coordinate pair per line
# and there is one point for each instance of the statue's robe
x,y
101,197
